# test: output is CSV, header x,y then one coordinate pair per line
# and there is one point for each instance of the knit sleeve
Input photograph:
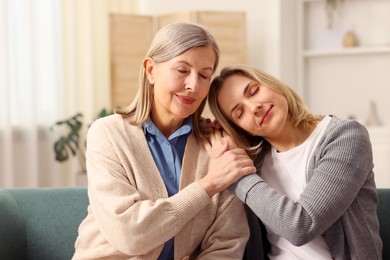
x,y
340,166
126,199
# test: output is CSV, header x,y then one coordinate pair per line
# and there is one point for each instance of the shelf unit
x,y
344,81
346,52
328,74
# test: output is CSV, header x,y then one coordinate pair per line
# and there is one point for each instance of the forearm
x,y
298,221
135,227
284,216
338,170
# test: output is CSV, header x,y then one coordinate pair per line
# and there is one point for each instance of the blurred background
x,y
64,63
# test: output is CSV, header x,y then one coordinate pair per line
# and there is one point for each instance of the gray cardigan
x,y
339,201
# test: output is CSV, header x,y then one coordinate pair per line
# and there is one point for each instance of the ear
x,y
149,66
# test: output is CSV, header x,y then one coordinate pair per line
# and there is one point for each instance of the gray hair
x,y
170,41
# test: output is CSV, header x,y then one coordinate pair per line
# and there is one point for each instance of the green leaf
x,y
69,144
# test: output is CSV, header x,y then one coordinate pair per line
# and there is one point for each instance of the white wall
x,y
273,45
262,24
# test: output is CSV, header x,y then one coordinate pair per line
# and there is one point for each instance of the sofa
x,y
42,223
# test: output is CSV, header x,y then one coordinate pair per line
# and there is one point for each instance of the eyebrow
x,y
243,93
189,64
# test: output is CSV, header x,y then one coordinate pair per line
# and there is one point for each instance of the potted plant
x,y
331,7
70,144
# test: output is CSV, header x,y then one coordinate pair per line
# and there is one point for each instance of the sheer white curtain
x,y
30,90
54,63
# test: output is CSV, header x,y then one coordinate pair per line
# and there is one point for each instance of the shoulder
x,y
113,127
110,120
111,123
350,135
348,127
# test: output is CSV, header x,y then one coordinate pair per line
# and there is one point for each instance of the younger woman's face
x,y
180,84
252,106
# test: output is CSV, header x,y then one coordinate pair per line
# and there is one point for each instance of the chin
x,y
184,114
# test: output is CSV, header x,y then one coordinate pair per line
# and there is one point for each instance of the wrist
x,y
210,188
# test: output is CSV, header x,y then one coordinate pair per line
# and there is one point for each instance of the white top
x,y
286,172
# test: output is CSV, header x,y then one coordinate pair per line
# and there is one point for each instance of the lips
x,y
266,115
186,100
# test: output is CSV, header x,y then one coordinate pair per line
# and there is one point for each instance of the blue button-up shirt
x,y
168,155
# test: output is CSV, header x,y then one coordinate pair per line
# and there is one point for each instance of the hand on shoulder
x,y
228,163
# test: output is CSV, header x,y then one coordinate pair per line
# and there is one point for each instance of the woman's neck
x,y
291,137
167,126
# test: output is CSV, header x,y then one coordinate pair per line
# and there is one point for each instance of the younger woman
x,y
314,190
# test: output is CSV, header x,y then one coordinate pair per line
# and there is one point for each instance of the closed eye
x,y
254,90
204,76
239,112
182,71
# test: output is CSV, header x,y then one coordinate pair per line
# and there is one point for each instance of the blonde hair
x,y
171,41
298,114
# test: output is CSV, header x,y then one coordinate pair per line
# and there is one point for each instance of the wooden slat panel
x,y
229,30
163,20
130,37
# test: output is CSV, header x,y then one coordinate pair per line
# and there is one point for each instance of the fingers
x,y
216,136
219,135
226,136
215,148
247,170
226,169
216,125
234,161
223,148
206,123
218,143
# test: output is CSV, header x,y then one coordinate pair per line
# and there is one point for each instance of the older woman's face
x,y
252,106
181,84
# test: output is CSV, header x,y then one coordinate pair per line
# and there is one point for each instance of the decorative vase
x,y
373,117
350,39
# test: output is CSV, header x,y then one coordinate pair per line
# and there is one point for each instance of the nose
x,y
192,83
256,108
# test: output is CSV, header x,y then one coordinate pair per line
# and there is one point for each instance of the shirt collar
x,y
185,129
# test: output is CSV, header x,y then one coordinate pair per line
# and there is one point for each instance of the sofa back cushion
x,y
40,223
384,220
12,231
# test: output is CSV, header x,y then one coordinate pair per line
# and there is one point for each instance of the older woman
x,y
153,192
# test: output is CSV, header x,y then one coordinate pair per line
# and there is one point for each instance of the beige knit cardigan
x,y
130,215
